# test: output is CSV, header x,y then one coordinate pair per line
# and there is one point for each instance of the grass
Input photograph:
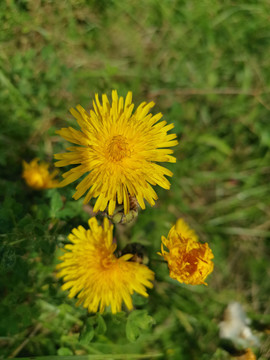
x,y
206,65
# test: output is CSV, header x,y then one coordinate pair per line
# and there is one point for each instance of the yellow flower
x,y
91,271
37,176
118,151
189,261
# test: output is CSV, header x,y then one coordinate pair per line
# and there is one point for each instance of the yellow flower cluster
x,y
118,152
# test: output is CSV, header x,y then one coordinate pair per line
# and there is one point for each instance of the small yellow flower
x,y
118,152
189,261
91,271
37,176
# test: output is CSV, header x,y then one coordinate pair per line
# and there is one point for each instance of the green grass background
x,y
206,65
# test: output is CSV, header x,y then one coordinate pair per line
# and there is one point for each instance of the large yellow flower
x,y
189,261
37,176
91,271
118,151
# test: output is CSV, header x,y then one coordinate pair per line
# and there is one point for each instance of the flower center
x,y
118,148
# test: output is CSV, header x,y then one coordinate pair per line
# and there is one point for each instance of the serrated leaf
x,y
71,209
137,321
56,204
87,332
132,332
101,327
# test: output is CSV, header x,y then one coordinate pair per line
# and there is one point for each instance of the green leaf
x,y
101,327
216,142
64,351
137,321
88,331
139,300
93,325
56,204
7,258
70,210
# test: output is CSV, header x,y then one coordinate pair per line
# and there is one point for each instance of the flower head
x,y
189,261
37,176
118,151
91,271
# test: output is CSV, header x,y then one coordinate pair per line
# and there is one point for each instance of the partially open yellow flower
x,y
37,176
189,261
91,271
118,152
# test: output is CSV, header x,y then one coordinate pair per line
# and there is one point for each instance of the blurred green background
x,y
206,65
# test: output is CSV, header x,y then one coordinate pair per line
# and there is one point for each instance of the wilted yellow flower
x,y
189,261
118,151
37,176
91,271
